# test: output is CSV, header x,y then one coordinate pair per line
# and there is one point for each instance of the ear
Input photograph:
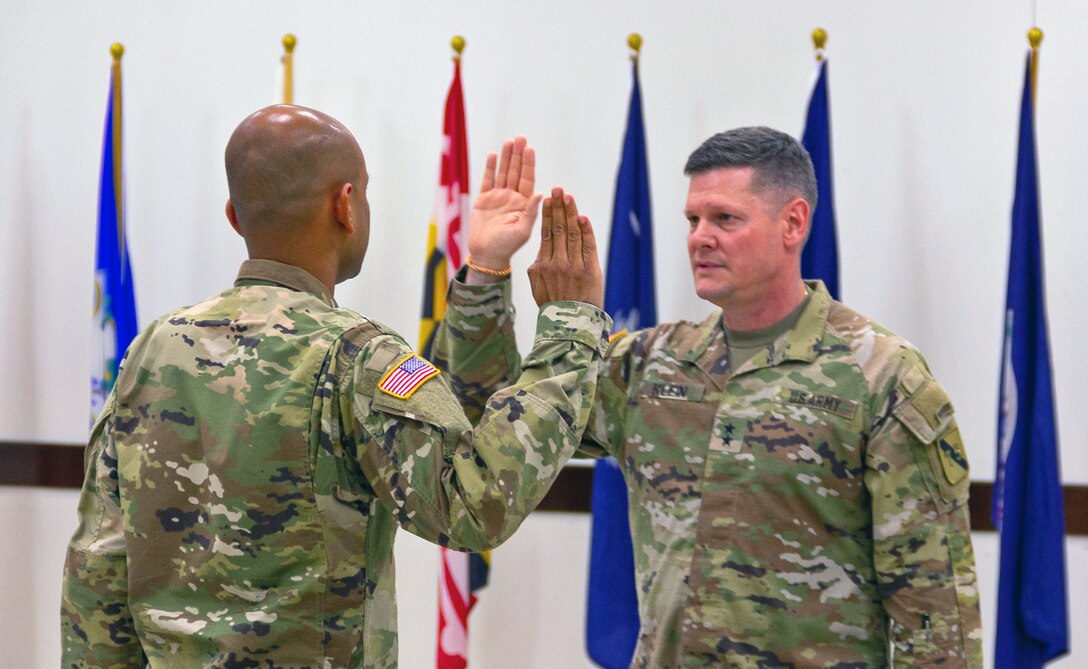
x,y
232,216
344,208
796,216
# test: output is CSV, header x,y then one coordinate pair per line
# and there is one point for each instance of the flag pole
x,y
288,60
1035,38
819,39
117,50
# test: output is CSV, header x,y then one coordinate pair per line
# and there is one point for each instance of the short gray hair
x,y
779,162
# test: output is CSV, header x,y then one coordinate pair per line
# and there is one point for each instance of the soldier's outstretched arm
x,y
470,488
96,625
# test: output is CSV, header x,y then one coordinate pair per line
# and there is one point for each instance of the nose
x,y
699,236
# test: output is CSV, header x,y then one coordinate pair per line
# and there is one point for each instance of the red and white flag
x,y
461,573
446,233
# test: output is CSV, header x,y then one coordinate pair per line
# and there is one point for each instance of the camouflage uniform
x,y
807,509
247,475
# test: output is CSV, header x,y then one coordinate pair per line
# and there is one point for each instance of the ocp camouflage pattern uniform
x,y
806,509
245,480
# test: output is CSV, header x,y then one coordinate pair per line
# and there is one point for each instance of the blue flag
x,y
114,319
612,622
820,257
1032,624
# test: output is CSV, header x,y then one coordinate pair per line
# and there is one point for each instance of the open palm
x,y
504,211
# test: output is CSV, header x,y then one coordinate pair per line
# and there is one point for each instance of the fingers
x,y
489,173
513,171
589,242
504,163
517,167
573,242
559,225
545,253
566,267
528,172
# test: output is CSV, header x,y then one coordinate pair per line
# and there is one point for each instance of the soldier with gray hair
x,y
796,479
247,475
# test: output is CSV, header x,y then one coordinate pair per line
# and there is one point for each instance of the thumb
x,y
533,208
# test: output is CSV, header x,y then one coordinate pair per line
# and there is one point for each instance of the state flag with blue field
x,y
114,314
820,257
1032,611
612,621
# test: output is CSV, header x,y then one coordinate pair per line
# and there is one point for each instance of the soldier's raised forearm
x,y
470,488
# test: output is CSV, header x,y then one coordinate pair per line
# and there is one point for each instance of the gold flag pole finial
x,y
458,46
117,50
634,40
819,39
1035,38
288,60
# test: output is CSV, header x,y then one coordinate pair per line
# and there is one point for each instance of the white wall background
x,y
925,98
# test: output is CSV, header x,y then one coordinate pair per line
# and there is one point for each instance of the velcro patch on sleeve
x,y
927,412
407,376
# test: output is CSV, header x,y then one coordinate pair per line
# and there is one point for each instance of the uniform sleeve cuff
x,y
469,308
574,321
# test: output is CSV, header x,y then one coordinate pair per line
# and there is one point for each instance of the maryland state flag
x,y
1028,512
114,319
446,232
462,573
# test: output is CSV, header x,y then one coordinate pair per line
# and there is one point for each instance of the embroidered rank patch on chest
x,y
406,378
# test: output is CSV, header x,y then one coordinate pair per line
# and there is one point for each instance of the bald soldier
x,y
797,485
249,470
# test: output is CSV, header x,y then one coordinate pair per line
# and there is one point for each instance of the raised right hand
x,y
504,212
566,267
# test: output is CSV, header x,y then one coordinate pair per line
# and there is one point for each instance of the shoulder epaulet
x,y
354,340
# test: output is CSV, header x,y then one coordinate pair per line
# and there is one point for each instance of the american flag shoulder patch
x,y
407,376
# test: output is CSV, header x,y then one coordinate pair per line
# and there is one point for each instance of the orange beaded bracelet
x,y
487,270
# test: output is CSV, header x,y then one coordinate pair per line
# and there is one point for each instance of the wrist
x,y
488,259
488,266
483,273
473,278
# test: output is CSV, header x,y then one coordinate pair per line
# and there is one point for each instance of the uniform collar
x,y
282,274
802,342
710,331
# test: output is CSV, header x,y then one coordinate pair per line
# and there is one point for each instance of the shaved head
x,y
284,163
